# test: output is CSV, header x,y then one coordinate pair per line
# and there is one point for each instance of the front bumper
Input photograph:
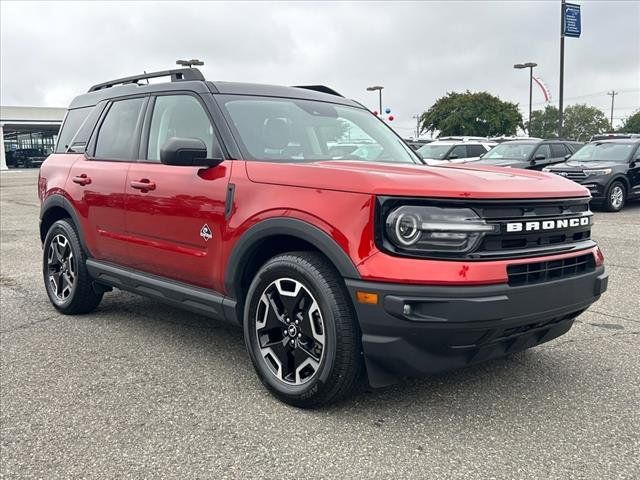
x,y
417,330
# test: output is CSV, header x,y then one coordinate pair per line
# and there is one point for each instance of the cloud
x,y
417,50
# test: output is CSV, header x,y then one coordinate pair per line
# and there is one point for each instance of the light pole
x,y
530,66
379,89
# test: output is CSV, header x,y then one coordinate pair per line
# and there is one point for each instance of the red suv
x,y
224,199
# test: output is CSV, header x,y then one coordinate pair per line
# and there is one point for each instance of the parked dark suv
x,y
529,154
224,199
610,169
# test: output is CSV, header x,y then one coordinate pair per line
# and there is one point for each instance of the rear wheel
x,y
69,286
301,332
616,196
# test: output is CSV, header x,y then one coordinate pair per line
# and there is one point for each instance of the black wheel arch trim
x,y
622,178
58,201
290,227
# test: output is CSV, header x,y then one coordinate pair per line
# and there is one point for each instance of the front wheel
x,y
301,332
616,196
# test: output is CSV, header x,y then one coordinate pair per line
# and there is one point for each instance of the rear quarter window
x,y
72,123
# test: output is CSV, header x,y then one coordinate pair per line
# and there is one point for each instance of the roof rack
x,y
319,88
177,75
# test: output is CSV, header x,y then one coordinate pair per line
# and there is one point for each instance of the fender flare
x,y
291,227
621,177
58,201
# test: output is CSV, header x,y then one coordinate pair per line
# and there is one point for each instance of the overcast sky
x,y
418,51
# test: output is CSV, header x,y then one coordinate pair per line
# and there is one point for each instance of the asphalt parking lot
x,y
142,390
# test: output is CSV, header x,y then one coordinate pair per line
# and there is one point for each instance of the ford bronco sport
x,y
221,198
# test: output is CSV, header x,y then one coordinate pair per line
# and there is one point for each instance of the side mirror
x,y
452,157
481,155
539,156
567,156
188,152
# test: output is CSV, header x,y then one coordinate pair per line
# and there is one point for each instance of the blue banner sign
x,y
571,24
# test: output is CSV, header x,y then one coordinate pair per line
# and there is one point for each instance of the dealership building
x,y
28,134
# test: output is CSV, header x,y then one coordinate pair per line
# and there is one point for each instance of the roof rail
x,y
319,88
177,75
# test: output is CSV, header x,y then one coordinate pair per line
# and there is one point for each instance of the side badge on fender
x,y
205,232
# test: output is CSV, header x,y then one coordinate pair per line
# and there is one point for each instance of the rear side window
x,y
544,151
117,135
475,150
558,150
459,151
72,123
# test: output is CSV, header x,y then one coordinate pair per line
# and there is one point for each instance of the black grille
x,y
513,244
571,174
528,273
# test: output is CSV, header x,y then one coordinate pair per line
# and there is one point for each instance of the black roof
x,y
191,79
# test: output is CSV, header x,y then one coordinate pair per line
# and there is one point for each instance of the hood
x,y
446,181
578,165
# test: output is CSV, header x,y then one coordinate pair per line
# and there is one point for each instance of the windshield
x,y
290,130
436,152
510,151
617,152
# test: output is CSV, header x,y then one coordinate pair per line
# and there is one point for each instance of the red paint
x,y
148,216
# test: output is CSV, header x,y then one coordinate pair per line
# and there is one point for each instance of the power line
x,y
596,94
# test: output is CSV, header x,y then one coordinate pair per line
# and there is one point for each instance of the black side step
x,y
182,295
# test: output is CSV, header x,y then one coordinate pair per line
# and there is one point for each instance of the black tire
x,y
616,196
80,297
340,368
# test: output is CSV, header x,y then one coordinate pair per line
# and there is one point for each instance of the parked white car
x,y
456,151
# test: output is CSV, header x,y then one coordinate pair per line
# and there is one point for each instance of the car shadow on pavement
x,y
216,343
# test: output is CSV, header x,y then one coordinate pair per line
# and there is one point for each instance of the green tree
x,y
544,123
471,114
583,121
631,124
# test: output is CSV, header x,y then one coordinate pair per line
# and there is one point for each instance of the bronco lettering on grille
x,y
535,226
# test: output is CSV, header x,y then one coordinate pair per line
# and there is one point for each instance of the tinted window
x,y
558,150
604,151
72,122
459,151
475,150
178,116
543,150
116,137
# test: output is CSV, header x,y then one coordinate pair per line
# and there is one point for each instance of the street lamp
x,y
379,89
530,66
189,63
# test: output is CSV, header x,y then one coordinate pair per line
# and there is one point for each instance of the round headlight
x,y
407,228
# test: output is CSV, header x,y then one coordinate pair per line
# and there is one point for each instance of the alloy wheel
x,y
290,331
617,196
61,268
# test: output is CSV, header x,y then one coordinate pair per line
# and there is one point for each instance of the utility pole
x,y
612,94
417,117
561,93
